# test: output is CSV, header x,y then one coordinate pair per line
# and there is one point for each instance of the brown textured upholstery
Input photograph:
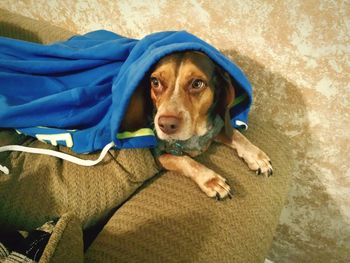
x,y
168,220
171,220
66,242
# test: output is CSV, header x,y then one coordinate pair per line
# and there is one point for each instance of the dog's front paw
x,y
256,160
214,186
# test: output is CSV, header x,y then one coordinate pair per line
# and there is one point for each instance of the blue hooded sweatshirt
x,y
75,93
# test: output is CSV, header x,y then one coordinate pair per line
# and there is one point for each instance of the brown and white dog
x,y
187,91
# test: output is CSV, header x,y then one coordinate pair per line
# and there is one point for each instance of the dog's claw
x,y
215,186
230,194
270,172
258,172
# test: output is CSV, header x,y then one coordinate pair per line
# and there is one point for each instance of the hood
x,y
75,93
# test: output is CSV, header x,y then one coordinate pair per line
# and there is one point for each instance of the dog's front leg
x,y
256,159
211,183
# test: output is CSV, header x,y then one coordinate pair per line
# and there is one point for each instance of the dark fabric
x,y
22,246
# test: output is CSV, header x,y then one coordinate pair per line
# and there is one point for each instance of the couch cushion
x,y
41,187
171,220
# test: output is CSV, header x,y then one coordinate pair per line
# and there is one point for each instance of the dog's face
x,y
186,89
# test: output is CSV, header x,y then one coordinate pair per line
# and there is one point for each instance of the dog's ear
x,y
140,108
224,97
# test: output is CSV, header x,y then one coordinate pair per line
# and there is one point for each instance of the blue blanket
x,y
75,93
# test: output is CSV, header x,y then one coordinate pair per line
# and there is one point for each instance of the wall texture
x,y
303,49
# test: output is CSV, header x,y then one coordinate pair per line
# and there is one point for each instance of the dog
x,y
189,97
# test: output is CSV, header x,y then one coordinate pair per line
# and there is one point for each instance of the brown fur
x,y
171,90
184,68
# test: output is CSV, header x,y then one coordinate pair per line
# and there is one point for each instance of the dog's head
x,y
188,90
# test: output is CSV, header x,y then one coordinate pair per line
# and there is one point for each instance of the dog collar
x,y
194,145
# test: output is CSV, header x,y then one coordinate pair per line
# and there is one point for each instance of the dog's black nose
x,y
168,124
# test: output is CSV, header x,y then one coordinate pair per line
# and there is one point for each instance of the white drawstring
x,y
4,169
60,155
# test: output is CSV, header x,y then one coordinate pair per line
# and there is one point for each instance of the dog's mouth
x,y
170,136
195,144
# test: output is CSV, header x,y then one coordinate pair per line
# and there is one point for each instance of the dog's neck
x,y
194,145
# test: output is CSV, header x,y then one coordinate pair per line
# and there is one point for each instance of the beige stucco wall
x,y
304,48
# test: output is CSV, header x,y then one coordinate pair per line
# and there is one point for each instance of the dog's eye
x,y
198,84
155,82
